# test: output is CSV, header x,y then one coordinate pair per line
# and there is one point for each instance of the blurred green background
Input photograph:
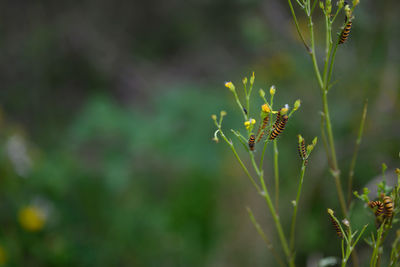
x,y
105,130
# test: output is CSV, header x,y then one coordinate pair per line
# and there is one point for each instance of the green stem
x,y
276,174
356,148
312,54
263,152
275,217
331,65
264,237
298,27
296,204
229,142
334,170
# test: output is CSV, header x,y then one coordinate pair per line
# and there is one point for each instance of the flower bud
x,y
214,117
272,90
244,80
321,5
252,79
346,222
348,11
262,93
285,109
230,86
297,104
223,113
355,2
265,108
328,7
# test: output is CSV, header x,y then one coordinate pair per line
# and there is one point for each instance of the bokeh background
x,y
106,157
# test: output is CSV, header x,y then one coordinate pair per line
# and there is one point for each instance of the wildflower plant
x,y
263,126
384,209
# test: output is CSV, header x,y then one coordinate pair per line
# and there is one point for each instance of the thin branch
x,y
355,154
264,237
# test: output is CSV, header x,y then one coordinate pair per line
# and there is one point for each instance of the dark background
x,y
111,104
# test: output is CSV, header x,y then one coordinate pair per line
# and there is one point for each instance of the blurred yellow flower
x,y
265,108
249,123
230,86
3,255
31,218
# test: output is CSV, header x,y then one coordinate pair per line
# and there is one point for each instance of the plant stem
x,y
356,148
298,27
296,204
229,142
264,237
276,174
262,154
275,217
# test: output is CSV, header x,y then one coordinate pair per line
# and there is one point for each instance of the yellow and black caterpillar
x,y
280,126
388,203
379,205
251,142
302,151
346,32
336,226
262,127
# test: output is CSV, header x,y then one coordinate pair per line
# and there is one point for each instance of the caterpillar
x,y
251,142
377,204
278,119
388,203
346,32
336,226
262,127
279,128
302,151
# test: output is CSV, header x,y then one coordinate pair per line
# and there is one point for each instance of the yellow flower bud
x,y
223,113
230,86
266,108
397,171
330,212
272,90
356,2
252,79
297,104
244,80
262,93
214,117
252,121
348,11
247,124
285,109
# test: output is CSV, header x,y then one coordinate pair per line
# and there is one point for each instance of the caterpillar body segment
x,y
251,142
279,127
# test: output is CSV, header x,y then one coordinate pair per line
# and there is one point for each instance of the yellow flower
x,y
31,218
272,90
249,123
3,255
285,109
266,108
230,86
